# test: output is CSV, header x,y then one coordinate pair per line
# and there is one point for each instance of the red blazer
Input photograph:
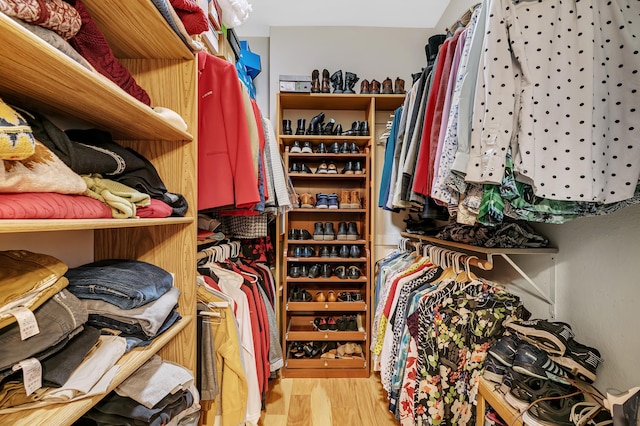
x,y
225,172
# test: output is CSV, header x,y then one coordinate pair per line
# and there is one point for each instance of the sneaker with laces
x,y
552,412
510,377
504,350
523,392
580,360
590,414
494,370
333,201
550,336
307,201
533,361
306,147
322,201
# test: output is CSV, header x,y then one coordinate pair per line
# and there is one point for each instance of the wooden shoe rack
x,y
298,317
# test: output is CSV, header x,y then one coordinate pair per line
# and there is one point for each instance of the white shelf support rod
x,y
550,299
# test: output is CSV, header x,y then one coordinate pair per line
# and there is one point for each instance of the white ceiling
x,y
332,13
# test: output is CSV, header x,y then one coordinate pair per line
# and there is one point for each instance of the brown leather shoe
x,y
307,201
387,86
315,82
364,87
345,200
399,87
355,199
325,86
374,87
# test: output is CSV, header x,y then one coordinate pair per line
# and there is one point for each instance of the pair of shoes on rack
x,y
299,234
358,128
350,296
325,323
305,148
330,297
319,270
325,168
348,231
344,148
324,232
343,272
343,86
558,339
352,168
326,201
303,251
299,295
350,199
299,168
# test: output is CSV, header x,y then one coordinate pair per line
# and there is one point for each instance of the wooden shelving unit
x,y
38,77
487,395
297,317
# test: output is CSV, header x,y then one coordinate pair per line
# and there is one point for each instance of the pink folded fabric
x,y
156,209
192,16
93,46
56,15
51,205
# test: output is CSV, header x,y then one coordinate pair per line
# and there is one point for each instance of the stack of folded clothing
x,y
45,336
129,298
158,393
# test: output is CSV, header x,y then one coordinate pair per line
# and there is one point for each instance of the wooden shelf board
x,y
67,413
388,102
486,250
10,226
123,27
327,259
36,74
329,242
496,400
317,362
326,306
324,101
327,211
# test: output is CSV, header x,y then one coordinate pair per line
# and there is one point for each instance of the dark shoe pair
x,y
304,251
350,296
299,295
352,167
347,323
297,271
299,168
358,128
324,232
315,125
353,272
299,234
348,148
348,232
321,148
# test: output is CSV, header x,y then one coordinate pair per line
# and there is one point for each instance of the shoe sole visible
x,y
342,237
575,368
499,357
493,377
352,237
306,206
318,237
515,402
329,237
320,207
306,151
295,150
333,207
542,338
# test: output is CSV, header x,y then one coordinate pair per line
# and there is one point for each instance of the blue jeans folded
x,y
124,283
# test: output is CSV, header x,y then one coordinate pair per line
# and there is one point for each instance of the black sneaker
x,y
322,148
295,148
580,360
324,251
494,371
524,392
294,234
334,252
304,235
510,377
504,350
550,336
556,412
533,361
318,231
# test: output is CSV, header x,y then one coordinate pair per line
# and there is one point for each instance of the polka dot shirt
x,y
559,81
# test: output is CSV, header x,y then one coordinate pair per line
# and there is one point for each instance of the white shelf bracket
x,y
549,298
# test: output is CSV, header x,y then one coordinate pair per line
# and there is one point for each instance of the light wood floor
x,y
327,402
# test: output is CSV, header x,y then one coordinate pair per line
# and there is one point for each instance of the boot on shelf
x,y
374,87
345,200
327,129
350,80
399,87
337,82
324,85
315,81
315,124
363,128
286,127
364,87
302,123
387,86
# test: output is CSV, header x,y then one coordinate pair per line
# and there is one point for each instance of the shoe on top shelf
x,y
580,360
533,361
504,350
550,336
